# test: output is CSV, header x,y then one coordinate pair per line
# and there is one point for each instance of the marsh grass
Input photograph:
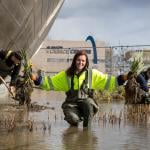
x,y
107,96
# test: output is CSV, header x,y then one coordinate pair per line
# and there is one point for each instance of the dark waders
x,y
79,105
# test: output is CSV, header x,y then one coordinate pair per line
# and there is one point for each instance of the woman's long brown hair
x,y
71,70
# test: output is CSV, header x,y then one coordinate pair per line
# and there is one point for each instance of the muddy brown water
x,y
115,127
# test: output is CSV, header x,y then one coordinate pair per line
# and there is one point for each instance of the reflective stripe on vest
x,y
47,83
68,81
50,83
90,78
107,82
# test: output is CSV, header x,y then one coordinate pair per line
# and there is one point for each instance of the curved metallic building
x,y
25,23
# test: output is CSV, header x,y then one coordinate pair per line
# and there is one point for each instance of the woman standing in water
x,y
79,83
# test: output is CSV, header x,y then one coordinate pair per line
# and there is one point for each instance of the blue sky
x,y
125,22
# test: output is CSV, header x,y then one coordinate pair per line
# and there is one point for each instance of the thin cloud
x,y
108,20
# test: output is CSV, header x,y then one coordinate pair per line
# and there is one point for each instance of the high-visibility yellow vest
x,y
61,82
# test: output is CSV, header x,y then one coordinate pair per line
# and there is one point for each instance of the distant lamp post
x,y
91,39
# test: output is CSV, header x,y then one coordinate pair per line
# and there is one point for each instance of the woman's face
x,y
80,63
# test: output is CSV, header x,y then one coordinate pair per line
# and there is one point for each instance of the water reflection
x,y
75,138
111,130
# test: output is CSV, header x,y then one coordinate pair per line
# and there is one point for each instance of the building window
x,y
60,50
57,60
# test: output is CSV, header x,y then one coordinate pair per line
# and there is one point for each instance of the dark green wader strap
x,y
71,94
87,80
75,94
86,87
88,108
72,83
87,83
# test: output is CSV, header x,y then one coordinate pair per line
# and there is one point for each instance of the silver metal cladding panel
x,y
25,23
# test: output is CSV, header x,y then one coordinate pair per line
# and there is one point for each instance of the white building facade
x,y
55,56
